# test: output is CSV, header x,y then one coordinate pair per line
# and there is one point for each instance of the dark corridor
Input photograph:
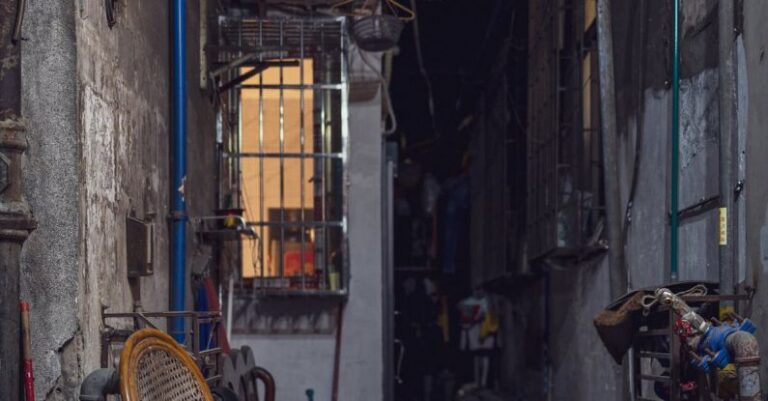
x,y
459,94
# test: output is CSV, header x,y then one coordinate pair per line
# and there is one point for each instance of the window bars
x,y
292,153
564,171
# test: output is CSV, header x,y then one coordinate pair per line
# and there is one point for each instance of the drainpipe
x,y
725,38
15,218
179,170
675,161
617,272
746,351
99,384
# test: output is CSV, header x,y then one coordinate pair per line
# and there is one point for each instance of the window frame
x,y
257,287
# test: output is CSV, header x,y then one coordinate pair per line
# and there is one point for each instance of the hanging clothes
x,y
455,216
479,335
479,326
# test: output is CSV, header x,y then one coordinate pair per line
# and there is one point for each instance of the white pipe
x,y
229,305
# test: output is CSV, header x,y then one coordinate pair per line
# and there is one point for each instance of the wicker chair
x,y
153,367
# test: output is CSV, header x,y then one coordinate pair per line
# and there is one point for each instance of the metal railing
x,y
202,336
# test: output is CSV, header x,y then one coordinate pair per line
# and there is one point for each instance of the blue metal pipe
x,y
179,171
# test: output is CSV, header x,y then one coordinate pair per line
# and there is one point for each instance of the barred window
x,y
292,156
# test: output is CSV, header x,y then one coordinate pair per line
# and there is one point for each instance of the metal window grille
x,y
564,170
292,154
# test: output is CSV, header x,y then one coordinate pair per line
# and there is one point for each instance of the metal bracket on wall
x,y
697,209
257,69
738,189
202,340
139,239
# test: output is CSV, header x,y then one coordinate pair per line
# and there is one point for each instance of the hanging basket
x,y
377,33
380,32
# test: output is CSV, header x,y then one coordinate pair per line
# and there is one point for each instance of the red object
x,y
688,386
29,378
213,303
292,262
29,381
683,329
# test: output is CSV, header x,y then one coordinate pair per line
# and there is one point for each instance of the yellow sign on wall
x,y
723,226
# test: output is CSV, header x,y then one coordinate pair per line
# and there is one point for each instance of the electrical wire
x,y
648,301
384,92
358,12
638,142
366,9
422,69
393,4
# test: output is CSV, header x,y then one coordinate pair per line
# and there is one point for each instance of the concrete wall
x,y
51,259
752,87
99,109
644,129
301,362
581,370
647,247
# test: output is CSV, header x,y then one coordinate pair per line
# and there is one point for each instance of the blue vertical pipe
x,y
675,167
179,206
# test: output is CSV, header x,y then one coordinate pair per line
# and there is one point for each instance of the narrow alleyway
x,y
383,200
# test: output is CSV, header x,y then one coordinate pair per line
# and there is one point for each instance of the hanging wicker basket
x,y
377,33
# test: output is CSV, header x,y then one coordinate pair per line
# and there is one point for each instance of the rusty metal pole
x,y
15,218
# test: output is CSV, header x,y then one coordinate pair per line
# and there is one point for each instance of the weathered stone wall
x,y
51,259
98,102
581,368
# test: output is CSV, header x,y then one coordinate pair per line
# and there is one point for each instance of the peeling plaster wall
x,y
644,124
581,370
699,173
648,234
123,76
98,104
124,120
